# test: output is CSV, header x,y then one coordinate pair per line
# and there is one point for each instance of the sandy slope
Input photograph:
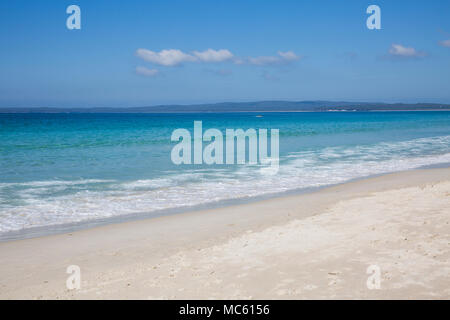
x,y
316,245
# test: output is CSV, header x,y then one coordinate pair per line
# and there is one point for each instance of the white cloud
x,y
168,57
283,57
174,57
397,50
445,43
211,55
146,72
288,55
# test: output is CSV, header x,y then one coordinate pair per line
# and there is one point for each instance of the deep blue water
x,y
63,168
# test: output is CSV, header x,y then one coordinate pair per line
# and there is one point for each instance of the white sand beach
x,y
316,245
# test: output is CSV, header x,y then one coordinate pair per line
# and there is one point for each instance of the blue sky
x,y
283,50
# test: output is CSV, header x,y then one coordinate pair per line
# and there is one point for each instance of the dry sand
x,y
316,245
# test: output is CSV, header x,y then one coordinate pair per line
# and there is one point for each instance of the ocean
x,y
65,171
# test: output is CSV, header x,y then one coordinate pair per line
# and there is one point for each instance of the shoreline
x,y
228,249
42,231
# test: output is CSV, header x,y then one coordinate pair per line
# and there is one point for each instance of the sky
x,y
141,53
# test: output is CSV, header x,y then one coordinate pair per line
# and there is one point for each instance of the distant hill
x,y
258,106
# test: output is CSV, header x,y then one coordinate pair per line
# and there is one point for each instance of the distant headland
x,y
257,106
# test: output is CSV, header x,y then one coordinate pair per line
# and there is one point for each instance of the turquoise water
x,y
64,168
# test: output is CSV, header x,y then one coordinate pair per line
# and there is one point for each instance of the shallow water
x,y
65,168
